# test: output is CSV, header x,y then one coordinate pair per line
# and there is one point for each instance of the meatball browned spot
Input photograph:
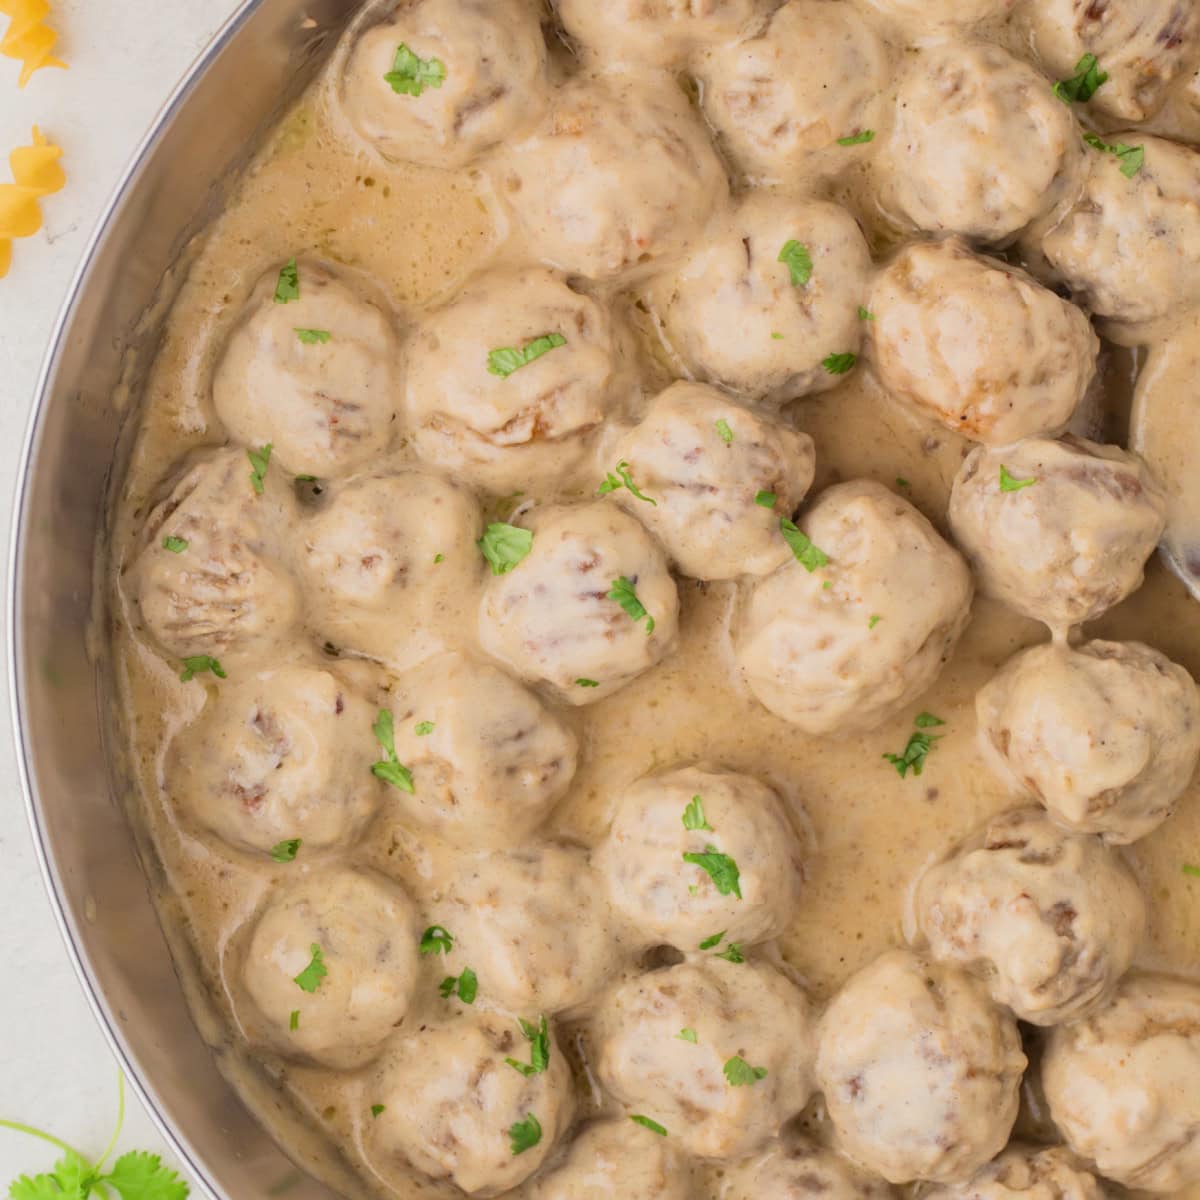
x,y
718,1053
1026,1173
718,477
1058,530
978,345
504,384
658,865
331,967
797,1169
591,207
488,761
1106,735
920,1070
658,33
315,376
1142,45
535,924
1127,246
980,145
589,607
769,296
617,1158
771,117
1124,1085
210,579
859,626
283,755
1049,920
441,81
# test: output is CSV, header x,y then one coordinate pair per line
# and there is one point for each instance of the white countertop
x,y
126,56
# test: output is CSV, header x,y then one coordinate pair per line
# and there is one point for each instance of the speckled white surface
x,y
126,56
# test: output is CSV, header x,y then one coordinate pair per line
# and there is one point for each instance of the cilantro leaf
x,y
806,554
1009,484
624,594
798,261
710,942
288,287
839,364
918,748
873,621
1082,86
588,683
693,815
857,139
687,1035
720,867
286,851
176,545
647,1123
466,985
733,953
865,314
436,940
1131,157
314,337
539,1053
260,460
41,1187
310,978
411,75
724,431
424,728
390,769
504,546
141,1176
614,484
926,720
197,664
740,1073
507,359
524,1135
765,499
1189,869
376,1109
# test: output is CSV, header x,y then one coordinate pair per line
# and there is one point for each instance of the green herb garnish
x,y
539,1051
740,1073
857,139
693,815
507,359
411,75
524,1135
623,479
260,460
310,978
624,594
1082,86
765,499
806,554
466,985
839,364
285,852
504,546
1009,484
197,664
1131,157
436,940
314,337
390,769
647,1123
288,287
720,868
796,258
176,545
724,432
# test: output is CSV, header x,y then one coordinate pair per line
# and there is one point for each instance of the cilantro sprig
x,y
919,746
1130,157
504,546
1082,86
390,769
538,1037
719,867
465,985
623,479
411,74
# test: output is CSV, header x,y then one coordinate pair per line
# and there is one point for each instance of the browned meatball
x,y
1026,1173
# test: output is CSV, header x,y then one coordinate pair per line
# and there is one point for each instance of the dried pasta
x,y
28,37
36,173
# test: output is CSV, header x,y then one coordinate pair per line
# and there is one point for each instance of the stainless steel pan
x,y
106,334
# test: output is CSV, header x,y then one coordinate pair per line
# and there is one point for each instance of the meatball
x,y
589,607
925,14
314,377
720,477
772,293
488,761
441,81
797,1169
476,411
658,33
664,824
847,656
286,754
1058,530
588,205
920,1070
210,579
1142,45
771,117
535,925
331,967
1127,246
1124,1085
1106,735
616,1158
1026,1173
980,145
978,345
1050,920
718,1053
453,1107
393,568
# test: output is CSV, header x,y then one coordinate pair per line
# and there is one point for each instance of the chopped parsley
x,y
688,1035
1010,484
1082,86
902,482
733,953
926,720
587,682
740,1073
857,139
314,337
507,359
839,364
798,261
424,728
376,1109
436,940
310,978
197,664
466,985
524,1135
873,621
693,815
1131,157
288,287
723,430
294,1020
390,769
260,460
286,851
623,479
504,546
438,558
647,1123
1189,869
710,942
865,314
765,499
411,75
806,554
778,337
176,545
720,868
624,594
918,748
538,1037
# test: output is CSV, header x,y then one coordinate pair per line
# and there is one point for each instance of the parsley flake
x,y
765,499
740,1073
857,139
806,554
1189,869
688,1035
918,748
260,460
176,545
1082,86
614,484
724,431
865,314
424,728
524,1135
874,621
288,287
376,1109
411,75
839,364
197,664
390,769
902,482
504,546
436,940
1010,484
587,682
294,1020
310,978
466,985
693,815
286,851
647,1123
710,942
733,953
926,720
1131,157
720,868
438,558
314,337
539,1051
798,261
624,594
507,359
